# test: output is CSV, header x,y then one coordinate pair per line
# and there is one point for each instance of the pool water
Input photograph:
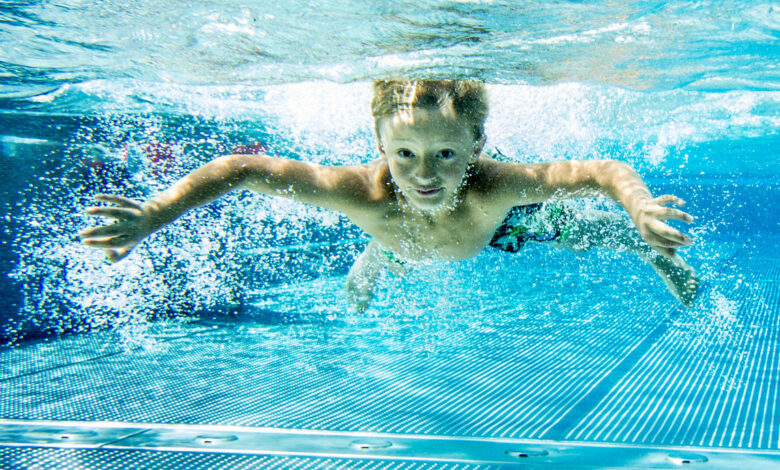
x,y
225,340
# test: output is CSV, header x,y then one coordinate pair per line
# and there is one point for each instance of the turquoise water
x,y
108,97
234,315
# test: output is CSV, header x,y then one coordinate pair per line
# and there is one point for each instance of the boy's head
x,y
430,132
463,99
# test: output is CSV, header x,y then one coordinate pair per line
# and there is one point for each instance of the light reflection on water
x,y
704,44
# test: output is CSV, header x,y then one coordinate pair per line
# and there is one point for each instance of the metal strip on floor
x,y
375,446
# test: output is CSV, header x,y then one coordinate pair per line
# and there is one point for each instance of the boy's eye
x,y
445,154
404,153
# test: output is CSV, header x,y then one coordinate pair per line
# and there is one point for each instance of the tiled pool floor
x,y
640,372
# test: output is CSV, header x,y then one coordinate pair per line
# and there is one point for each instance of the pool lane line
x,y
593,398
646,380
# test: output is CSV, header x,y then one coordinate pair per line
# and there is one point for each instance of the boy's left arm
x,y
570,179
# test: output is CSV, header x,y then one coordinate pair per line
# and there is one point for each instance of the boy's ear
x,y
380,146
478,146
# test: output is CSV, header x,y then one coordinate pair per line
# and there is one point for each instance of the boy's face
x,y
428,154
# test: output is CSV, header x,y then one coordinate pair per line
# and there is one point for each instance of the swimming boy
x,y
433,193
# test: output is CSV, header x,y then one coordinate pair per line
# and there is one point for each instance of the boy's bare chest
x,y
458,235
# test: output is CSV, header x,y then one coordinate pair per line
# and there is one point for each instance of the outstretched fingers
x,y
663,238
676,214
113,212
667,252
671,213
664,235
115,255
669,199
120,201
117,239
103,231
113,242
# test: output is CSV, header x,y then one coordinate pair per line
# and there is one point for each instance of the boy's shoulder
x,y
496,180
376,179
489,172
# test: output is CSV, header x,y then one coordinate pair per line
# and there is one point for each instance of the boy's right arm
x,y
339,188
364,272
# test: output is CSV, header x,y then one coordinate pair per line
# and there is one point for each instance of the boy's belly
x,y
452,243
447,252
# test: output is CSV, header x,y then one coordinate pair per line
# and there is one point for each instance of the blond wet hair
x,y
464,99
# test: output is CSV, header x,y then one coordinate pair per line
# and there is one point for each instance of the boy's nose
x,y
426,170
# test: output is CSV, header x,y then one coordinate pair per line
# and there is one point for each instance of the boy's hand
x,y
360,282
359,293
133,224
661,237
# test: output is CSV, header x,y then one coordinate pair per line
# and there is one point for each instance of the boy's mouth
x,y
426,192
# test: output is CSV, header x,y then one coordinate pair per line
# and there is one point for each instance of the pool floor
x,y
627,386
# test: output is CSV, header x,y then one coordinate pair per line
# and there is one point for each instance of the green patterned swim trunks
x,y
543,222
